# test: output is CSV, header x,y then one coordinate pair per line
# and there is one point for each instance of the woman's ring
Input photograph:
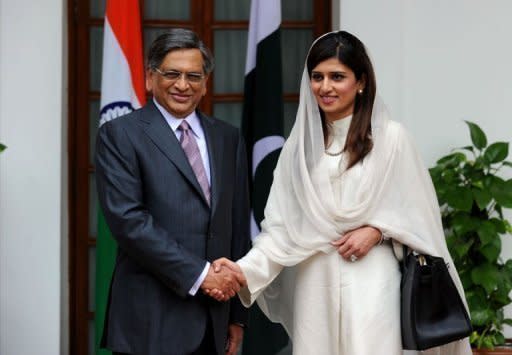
x,y
353,258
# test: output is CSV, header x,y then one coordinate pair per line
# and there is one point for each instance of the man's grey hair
x,y
178,38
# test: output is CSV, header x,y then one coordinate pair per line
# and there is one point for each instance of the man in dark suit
x,y
172,183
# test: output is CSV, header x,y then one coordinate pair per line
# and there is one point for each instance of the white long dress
x,y
354,312
327,305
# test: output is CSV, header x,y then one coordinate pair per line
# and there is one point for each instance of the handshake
x,y
224,280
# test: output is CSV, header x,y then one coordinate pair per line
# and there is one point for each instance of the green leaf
x,y
507,163
462,223
499,339
460,198
450,177
473,175
480,317
478,184
435,173
499,211
468,147
501,297
508,226
473,337
503,194
465,278
482,197
2,147
492,250
443,160
462,248
491,180
507,321
485,275
480,163
501,190
496,152
477,298
487,232
508,266
500,225
499,316
451,242
477,135
452,160
487,342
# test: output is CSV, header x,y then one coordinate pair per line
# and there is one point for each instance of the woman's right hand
x,y
357,243
219,265
225,262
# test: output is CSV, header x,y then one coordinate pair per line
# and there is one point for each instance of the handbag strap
x,y
405,250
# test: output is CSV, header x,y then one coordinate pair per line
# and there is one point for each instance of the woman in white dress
x,y
348,189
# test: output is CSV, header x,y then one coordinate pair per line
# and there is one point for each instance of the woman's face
x,y
335,88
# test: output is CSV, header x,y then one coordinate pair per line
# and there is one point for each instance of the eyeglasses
x,y
174,75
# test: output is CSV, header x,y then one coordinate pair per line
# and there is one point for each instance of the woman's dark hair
x,y
177,38
350,51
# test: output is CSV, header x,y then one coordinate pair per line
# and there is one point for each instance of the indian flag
x,y
262,125
122,91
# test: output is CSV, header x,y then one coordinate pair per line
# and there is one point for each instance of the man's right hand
x,y
222,283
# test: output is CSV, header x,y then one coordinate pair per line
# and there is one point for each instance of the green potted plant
x,y
472,196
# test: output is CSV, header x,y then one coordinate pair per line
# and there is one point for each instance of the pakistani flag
x,y
122,91
262,125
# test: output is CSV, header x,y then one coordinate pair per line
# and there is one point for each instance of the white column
x,y
33,276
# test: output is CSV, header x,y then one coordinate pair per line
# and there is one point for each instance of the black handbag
x,y
432,312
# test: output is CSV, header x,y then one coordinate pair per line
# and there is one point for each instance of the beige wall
x,y
438,63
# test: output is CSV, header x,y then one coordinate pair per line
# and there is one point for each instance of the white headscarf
x,y
309,218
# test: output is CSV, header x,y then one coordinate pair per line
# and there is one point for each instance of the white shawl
x,y
301,217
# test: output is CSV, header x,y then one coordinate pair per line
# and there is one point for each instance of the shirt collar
x,y
192,120
340,127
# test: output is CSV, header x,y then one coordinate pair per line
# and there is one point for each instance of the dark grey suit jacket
x,y
165,231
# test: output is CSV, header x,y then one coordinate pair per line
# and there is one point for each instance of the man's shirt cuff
x,y
199,280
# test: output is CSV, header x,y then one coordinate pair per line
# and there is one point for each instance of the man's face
x,y
179,96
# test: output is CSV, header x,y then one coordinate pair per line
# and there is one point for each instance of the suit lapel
x,y
164,138
215,147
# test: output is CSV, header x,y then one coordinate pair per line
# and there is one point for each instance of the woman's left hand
x,y
357,243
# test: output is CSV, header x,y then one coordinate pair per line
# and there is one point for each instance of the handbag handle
x,y
420,257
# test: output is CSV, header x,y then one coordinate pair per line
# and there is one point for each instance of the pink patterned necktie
x,y
189,145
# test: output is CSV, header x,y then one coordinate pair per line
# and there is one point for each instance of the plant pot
x,y
502,350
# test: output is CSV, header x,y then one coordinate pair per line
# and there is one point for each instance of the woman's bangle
x,y
383,237
381,240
